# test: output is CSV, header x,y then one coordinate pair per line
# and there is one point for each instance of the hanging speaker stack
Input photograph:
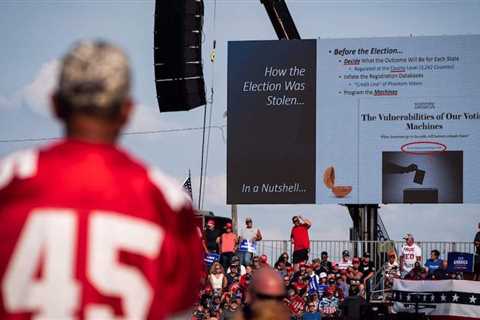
x,y
178,54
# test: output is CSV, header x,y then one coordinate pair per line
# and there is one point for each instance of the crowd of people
x,y
411,267
315,289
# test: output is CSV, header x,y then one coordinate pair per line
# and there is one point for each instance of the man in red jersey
x,y
86,231
300,240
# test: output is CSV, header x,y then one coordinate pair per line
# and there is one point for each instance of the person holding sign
x,y
248,237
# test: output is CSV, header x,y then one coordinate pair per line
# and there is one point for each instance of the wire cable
x,y
127,133
212,94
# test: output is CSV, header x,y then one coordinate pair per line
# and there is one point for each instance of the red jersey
x,y
300,237
88,233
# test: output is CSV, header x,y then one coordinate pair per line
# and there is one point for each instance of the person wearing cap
x,y
109,234
367,268
345,262
301,272
353,272
301,285
329,303
409,254
233,274
227,243
264,261
323,284
236,262
332,283
248,237
211,235
325,264
300,239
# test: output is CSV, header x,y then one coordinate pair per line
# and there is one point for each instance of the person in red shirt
x,y
300,240
227,243
295,303
246,278
264,260
87,231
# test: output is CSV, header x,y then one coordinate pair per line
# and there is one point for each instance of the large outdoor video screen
x,y
271,122
397,120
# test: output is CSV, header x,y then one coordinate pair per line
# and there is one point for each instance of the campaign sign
x,y
247,246
460,262
210,258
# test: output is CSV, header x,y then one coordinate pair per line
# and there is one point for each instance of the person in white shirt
x,y
409,254
236,262
345,262
391,269
248,235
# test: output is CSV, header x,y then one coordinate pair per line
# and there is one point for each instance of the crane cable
x,y
210,102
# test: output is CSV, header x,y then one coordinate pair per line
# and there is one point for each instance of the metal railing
x,y
378,249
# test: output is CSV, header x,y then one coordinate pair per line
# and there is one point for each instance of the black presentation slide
x,y
271,161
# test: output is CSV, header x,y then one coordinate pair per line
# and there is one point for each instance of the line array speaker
x,y
178,54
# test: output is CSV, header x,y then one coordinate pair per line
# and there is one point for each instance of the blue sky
x,y
34,34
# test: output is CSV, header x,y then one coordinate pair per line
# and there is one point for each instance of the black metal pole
x,y
281,19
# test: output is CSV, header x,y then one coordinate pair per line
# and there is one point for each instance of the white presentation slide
x,y
398,120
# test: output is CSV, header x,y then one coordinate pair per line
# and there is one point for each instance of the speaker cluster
x,y
178,54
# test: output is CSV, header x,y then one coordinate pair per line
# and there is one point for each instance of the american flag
x,y
187,185
444,299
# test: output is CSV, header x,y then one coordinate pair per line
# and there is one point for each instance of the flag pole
x,y
190,178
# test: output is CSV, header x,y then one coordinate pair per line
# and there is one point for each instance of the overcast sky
x,y
35,34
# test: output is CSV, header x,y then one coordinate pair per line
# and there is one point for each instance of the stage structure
x,y
281,19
